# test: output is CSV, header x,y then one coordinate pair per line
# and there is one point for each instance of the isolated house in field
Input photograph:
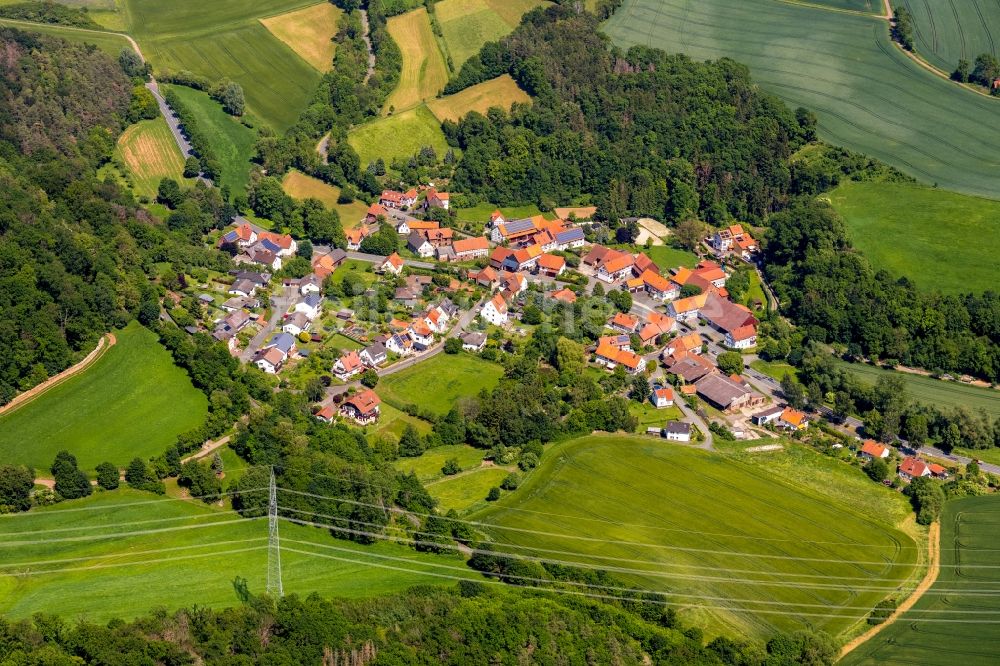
x,y
393,264
495,311
362,407
677,431
348,365
871,449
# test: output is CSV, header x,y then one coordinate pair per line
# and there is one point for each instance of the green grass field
x,y
945,32
468,24
501,91
428,466
466,491
774,369
400,135
914,231
301,186
964,596
934,391
110,43
650,416
741,550
667,257
425,72
133,401
438,382
232,142
225,39
866,6
126,576
393,422
150,153
867,94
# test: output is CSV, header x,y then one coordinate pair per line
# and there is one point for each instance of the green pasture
x,y
991,456
399,136
916,231
468,24
392,421
464,491
774,369
955,621
133,401
428,466
934,391
438,382
102,575
109,42
868,95
224,39
232,142
946,31
740,549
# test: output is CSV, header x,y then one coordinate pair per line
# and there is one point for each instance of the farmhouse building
x,y
363,407
726,393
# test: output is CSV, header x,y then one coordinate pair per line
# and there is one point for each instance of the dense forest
x,y
473,624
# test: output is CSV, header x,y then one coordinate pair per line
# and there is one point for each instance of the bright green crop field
x,y
934,391
436,383
867,94
946,31
232,141
185,553
739,549
224,39
133,401
915,231
955,622
399,136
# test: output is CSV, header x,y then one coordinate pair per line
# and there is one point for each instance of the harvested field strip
x,y
309,32
150,153
501,91
424,70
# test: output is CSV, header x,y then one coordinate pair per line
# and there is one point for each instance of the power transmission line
x,y
274,587
132,553
213,514
95,537
115,565
49,512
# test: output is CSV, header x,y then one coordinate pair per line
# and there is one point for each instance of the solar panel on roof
x,y
569,235
518,226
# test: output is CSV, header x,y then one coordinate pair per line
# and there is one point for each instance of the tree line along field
x,y
740,550
867,94
225,39
231,141
309,32
916,231
132,402
945,32
107,42
199,561
965,592
934,391
302,186
150,153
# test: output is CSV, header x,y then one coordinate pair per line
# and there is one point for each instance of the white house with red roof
x,y
662,396
362,407
437,199
392,264
348,365
913,468
872,449
495,311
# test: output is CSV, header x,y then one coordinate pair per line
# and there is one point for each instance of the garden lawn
x,y
955,621
309,32
108,42
399,136
468,24
740,550
464,491
428,466
775,369
934,391
945,32
940,240
501,91
224,39
150,153
667,257
301,186
867,94
650,416
127,576
438,382
231,141
133,401
425,72
391,421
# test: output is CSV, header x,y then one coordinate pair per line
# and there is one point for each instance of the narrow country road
x,y
279,306
207,448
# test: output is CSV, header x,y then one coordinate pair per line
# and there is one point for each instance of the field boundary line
x,y
933,569
88,360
